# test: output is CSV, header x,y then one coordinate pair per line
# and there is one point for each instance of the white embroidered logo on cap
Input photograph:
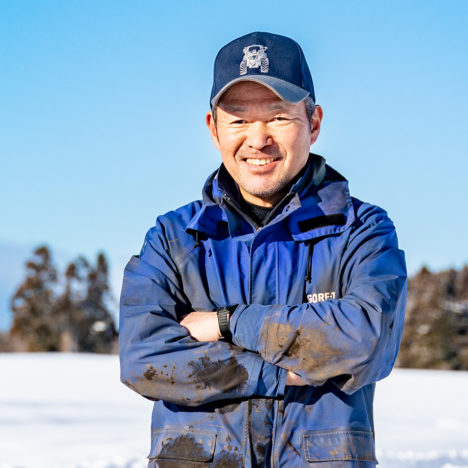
x,y
254,57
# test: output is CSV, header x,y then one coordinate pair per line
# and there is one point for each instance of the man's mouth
x,y
259,162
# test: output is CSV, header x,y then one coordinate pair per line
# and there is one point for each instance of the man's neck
x,y
256,213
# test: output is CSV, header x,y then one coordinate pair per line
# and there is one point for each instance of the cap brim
x,y
283,89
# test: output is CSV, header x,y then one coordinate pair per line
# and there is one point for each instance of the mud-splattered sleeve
x,y
353,340
160,360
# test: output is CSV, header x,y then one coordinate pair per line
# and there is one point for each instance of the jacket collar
x,y
326,209
317,205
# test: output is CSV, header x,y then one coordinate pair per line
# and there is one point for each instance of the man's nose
x,y
258,135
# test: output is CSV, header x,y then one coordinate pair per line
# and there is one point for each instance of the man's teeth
x,y
259,162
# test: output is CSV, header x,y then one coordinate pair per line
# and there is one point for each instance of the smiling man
x,y
264,141
260,317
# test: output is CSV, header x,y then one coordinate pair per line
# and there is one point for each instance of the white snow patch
x,y
71,411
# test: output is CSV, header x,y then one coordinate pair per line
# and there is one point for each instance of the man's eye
x,y
238,122
279,118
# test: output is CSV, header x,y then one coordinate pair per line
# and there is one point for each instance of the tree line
x,y
68,311
435,335
71,311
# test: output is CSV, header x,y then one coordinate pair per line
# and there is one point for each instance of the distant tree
x,y
34,325
5,343
68,304
97,329
436,325
86,322
76,319
461,283
103,333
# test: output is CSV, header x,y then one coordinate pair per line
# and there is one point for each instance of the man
x,y
260,318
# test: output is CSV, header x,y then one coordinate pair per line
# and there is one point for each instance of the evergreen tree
x,y
461,284
436,325
77,319
85,320
68,305
97,329
34,325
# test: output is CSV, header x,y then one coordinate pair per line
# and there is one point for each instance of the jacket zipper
x,y
278,405
229,201
273,212
277,419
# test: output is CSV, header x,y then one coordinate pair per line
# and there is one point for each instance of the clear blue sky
x,y
102,115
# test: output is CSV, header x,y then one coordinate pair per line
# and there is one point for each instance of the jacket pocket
x,y
339,445
190,446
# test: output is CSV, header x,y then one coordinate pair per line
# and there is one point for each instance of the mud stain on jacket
x,y
222,375
185,446
310,351
228,460
152,373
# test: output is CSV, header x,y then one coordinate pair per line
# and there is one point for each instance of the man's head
x,y
264,116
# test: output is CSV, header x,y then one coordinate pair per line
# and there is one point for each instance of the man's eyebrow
x,y
236,107
232,108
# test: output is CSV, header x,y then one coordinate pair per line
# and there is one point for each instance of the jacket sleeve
x,y
158,357
353,340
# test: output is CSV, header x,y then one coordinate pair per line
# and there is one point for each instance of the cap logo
x,y
254,57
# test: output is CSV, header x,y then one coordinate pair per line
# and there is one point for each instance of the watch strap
x,y
224,317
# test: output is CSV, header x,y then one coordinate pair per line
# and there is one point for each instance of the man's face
x,y
264,141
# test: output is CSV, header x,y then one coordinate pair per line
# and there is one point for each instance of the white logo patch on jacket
x,y
320,297
254,57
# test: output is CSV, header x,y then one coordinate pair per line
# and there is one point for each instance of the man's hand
x,y
203,326
294,379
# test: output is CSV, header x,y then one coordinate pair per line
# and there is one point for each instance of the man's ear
x,y
212,128
315,123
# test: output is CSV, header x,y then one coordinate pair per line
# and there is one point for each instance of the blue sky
x,y
102,116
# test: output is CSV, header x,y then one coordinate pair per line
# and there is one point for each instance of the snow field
x,y
71,411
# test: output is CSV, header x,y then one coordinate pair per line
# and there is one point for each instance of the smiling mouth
x,y
259,162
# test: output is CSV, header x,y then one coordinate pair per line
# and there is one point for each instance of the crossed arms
x,y
203,326
352,341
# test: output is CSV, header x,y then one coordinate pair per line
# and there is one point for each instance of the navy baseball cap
x,y
274,61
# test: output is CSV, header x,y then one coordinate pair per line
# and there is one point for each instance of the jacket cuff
x,y
245,327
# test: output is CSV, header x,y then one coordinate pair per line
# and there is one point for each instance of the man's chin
x,y
265,195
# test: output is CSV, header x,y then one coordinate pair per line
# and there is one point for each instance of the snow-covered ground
x,y
71,411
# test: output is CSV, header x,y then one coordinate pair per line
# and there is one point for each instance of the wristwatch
x,y
224,316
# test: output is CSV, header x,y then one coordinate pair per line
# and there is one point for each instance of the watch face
x,y
223,317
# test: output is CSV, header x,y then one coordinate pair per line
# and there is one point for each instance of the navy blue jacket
x,y
320,291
